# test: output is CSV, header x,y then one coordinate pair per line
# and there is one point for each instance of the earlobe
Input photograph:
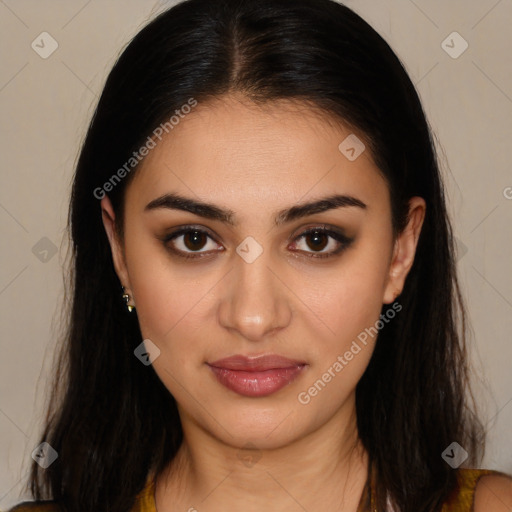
x,y
393,290
404,250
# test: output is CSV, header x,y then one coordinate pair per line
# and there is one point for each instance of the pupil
x,y
195,237
317,236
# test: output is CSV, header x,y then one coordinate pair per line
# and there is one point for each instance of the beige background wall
x,y
45,107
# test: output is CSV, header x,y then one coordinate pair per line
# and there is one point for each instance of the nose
x,y
255,303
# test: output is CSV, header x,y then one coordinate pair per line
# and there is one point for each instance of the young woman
x,y
265,310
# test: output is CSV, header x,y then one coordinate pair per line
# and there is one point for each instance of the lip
x,y
256,376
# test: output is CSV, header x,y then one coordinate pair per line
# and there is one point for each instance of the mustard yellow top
x,y
460,500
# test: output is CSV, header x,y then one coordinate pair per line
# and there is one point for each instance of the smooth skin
x,y
270,452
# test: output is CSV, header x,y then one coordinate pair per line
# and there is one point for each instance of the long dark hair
x,y
110,418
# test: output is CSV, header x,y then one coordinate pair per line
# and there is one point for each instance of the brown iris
x,y
320,240
194,240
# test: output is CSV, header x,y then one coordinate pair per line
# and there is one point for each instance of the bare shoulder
x,y
493,493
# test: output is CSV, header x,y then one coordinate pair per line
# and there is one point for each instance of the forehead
x,y
273,153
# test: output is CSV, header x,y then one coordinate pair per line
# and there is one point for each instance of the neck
x,y
326,468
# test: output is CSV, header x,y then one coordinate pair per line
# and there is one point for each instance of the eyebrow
x,y
174,201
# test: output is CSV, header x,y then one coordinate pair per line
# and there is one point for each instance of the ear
x,y
108,217
404,250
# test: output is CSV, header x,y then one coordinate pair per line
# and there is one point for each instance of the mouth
x,y
256,376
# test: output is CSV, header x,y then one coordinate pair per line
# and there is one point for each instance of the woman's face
x,y
257,285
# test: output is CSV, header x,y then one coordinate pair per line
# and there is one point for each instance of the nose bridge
x,y
256,303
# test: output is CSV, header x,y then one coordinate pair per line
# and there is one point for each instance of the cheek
x,y
169,295
348,298
171,307
348,302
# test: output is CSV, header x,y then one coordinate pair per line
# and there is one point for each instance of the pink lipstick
x,y
256,376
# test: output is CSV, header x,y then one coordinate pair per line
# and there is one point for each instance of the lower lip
x,y
260,383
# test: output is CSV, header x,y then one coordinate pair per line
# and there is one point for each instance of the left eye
x,y
320,243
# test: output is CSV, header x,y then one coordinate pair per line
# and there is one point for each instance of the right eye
x,y
186,242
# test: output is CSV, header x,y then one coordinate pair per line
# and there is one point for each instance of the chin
x,y
268,426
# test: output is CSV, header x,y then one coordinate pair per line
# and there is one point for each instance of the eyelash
x,y
343,240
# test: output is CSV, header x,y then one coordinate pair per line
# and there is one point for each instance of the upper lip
x,y
257,363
